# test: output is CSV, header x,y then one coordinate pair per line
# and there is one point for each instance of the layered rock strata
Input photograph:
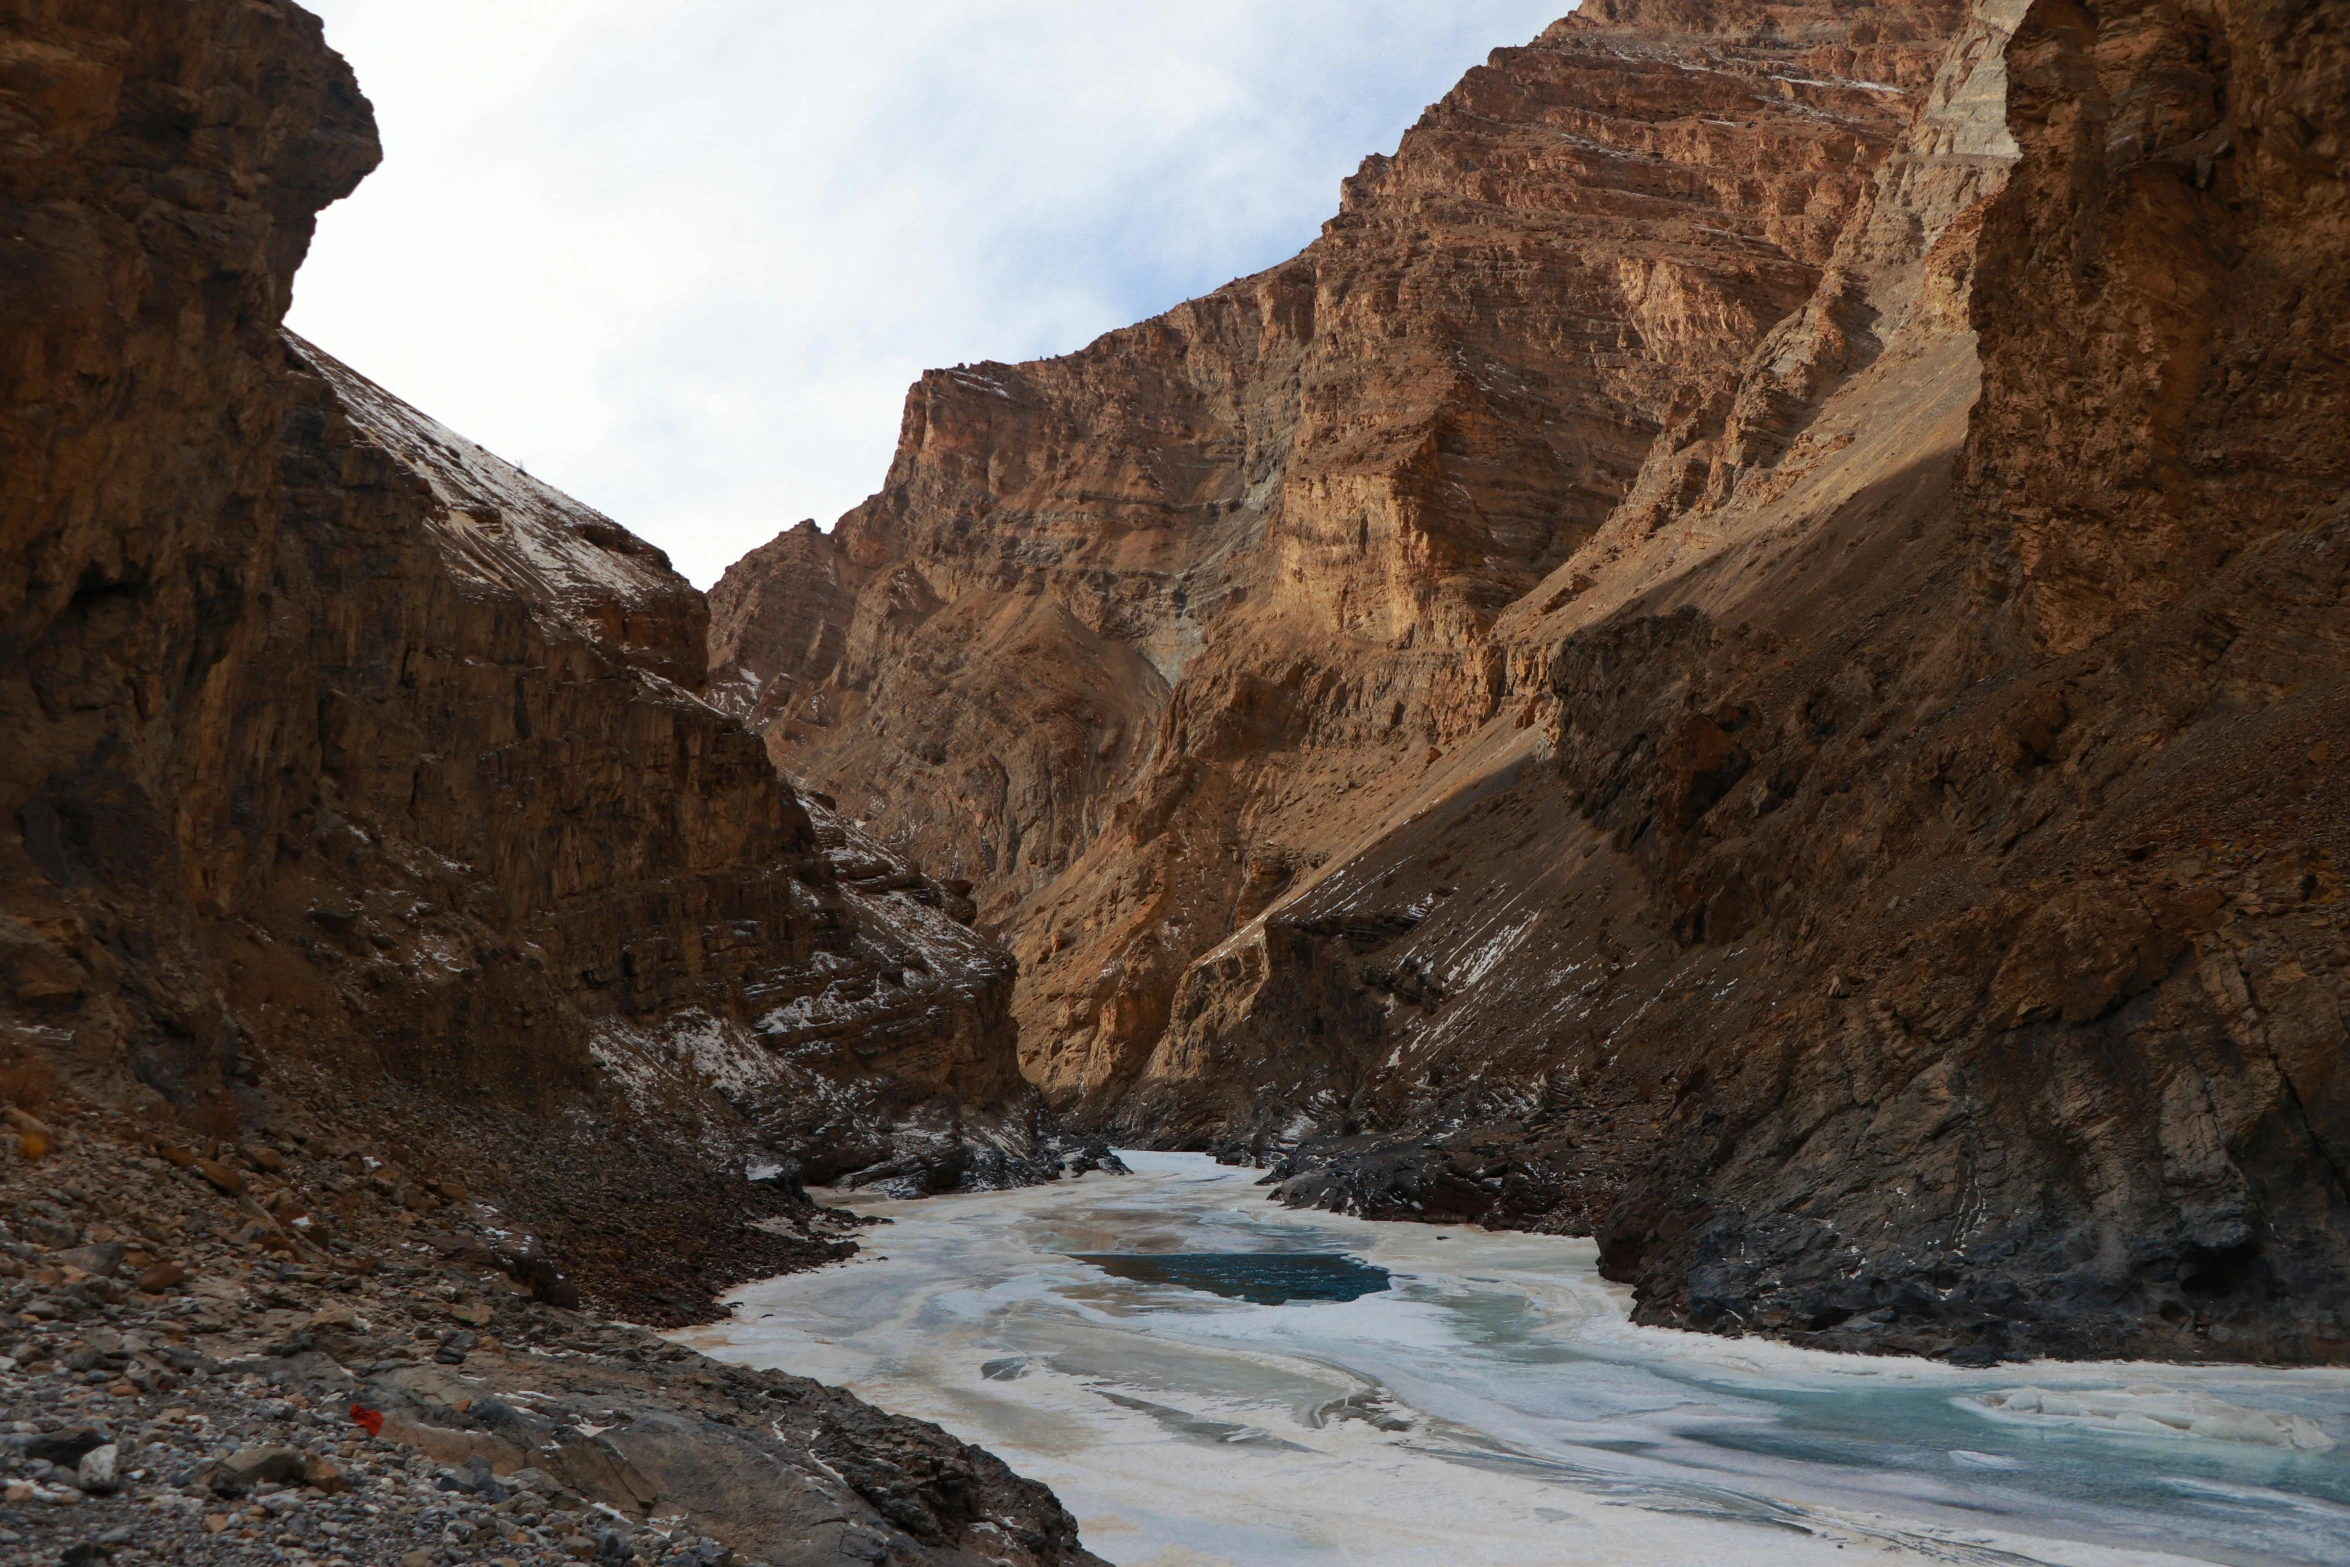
x,y
1121,626
352,770
1871,855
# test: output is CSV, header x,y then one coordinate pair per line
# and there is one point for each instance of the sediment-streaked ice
x,y
2153,1411
1494,1408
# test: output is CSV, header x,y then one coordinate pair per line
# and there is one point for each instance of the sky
x,y
683,260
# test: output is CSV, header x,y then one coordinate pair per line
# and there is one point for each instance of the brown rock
x,y
34,1139
1160,607
228,1180
97,431
251,1466
162,1276
322,1473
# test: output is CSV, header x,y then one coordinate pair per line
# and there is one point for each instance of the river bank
x,y
1491,1405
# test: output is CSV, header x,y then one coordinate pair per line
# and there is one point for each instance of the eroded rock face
x,y
537,862
1122,625
2167,402
352,768
161,176
1875,863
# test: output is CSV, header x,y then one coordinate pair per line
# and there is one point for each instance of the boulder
x,y
104,1260
161,1276
65,1448
96,1471
229,1180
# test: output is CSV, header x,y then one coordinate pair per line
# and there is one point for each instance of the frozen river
x,y
1430,1397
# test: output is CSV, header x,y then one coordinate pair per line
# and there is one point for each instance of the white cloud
x,y
684,259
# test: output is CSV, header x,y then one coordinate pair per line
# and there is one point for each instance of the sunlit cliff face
x,y
728,234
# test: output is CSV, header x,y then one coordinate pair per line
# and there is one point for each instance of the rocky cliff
x,y
358,779
1121,626
400,954
1743,657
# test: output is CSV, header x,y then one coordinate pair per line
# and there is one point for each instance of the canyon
x,y
1743,658
1743,661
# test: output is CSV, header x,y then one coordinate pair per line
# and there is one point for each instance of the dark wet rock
x,y
1094,1153
922,1173
64,1448
1504,1174
945,1150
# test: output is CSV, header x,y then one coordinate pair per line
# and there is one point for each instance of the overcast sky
x,y
684,259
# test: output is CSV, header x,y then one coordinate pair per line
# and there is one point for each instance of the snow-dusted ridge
x,y
498,525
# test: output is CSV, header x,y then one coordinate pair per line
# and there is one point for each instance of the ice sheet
x,y
1495,1408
